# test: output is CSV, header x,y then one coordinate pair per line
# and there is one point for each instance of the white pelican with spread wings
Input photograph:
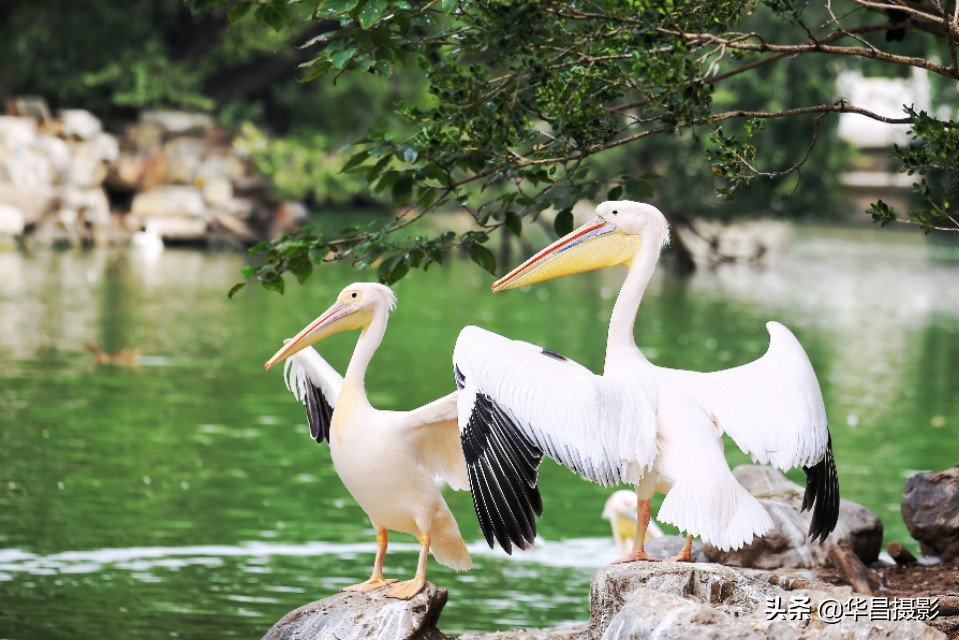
x,y
656,428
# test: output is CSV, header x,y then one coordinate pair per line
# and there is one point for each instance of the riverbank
x,y
176,176
667,600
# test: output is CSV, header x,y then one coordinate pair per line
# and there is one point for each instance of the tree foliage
x,y
527,99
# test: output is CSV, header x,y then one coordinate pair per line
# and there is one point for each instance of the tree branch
x,y
817,47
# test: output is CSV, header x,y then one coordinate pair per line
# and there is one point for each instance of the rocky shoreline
x,y
65,181
780,586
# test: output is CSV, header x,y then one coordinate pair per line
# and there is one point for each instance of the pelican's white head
x,y
355,308
635,218
613,237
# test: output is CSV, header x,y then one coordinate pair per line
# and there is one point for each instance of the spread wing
x,y
773,410
518,402
317,385
435,438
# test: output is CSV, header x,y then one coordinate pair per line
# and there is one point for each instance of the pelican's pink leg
x,y
638,552
686,555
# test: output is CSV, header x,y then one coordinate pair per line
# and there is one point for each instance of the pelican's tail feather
x,y
722,514
447,544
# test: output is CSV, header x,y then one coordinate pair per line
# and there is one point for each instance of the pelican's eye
x,y
615,212
353,295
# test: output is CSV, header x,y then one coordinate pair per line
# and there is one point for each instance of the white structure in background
x,y
875,174
885,97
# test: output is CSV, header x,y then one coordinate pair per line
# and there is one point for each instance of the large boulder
x,y
678,601
169,201
787,544
930,510
79,124
358,616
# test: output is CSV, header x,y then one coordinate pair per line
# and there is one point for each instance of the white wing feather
x,y
603,429
435,438
309,366
772,407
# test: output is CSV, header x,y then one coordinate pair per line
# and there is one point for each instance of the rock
x,y
217,192
357,616
90,205
169,201
614,584
670,546
79,124
12,221
187,230
930,510
225,163
33,107
91,160
678,601
787,545
183,158
16,132
565,632
287,217
177,122
33,203
57,154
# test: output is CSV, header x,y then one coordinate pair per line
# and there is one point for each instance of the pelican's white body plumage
x,y
386,459
656,428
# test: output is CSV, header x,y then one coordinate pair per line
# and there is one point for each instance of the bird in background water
x,y
123,358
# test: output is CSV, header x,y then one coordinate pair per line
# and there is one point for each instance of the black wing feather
x,y
503,465
319,413
822,495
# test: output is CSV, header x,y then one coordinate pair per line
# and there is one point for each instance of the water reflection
x,y
184,498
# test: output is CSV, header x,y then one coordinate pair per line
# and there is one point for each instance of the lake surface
x,y
184,498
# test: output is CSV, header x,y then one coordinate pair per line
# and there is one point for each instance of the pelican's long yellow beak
x,y
595,245
340,317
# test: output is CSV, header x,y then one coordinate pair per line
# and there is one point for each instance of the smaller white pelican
x,y
386,459
620,509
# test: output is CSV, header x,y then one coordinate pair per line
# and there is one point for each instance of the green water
x,y
184,498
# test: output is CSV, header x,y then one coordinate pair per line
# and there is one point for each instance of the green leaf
x,y
483,257
275,284
235,288
283,12
339,59
428,196
329,8
514,223
269,15
615,193
402,189
355,160
392,269
235,14
563,223
371,12
302,269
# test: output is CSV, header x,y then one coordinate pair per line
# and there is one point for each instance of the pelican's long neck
x,y
620,340
354,382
